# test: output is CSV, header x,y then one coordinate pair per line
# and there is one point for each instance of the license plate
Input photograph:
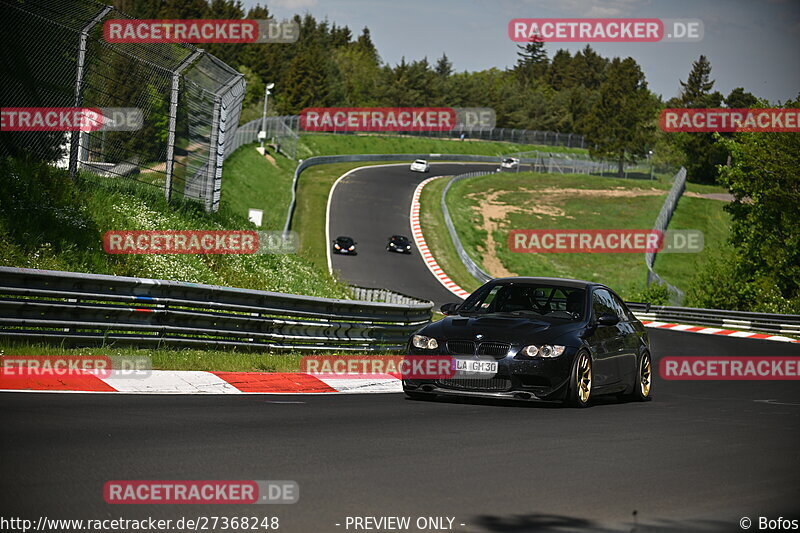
x,y
477,367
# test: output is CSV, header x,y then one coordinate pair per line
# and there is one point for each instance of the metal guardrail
x,y
737,320
477,272
91,309
661,224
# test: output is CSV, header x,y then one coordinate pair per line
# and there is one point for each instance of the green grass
x,y
175,359
694,213
624,272
438,238
387,144
49,222
167,358
250,181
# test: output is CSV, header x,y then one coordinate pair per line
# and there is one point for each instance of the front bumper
x,y
518,378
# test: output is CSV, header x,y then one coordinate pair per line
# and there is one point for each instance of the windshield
x,y
528,299
419,161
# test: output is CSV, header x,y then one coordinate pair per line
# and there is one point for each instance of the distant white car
x,y
420,165
510,162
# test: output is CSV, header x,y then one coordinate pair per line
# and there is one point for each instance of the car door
x,y
630,341
606,342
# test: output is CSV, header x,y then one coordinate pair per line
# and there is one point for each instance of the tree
x,y
702,153
765,227
444,67
560,75
740,99
532,61
621,124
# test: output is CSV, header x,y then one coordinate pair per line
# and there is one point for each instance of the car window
x,y
539,300
603,303
624,313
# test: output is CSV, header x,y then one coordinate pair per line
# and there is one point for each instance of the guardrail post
x,y
173,119
78,100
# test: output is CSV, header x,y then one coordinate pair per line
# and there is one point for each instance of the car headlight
x,y
336,246
352,248
408,246
544,350
427,343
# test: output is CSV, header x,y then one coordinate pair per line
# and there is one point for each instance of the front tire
x,y
643,387
579,392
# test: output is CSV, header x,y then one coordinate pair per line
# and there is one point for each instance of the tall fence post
x,y
78,100
173,119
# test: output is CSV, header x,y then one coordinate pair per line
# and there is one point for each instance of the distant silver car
x,y
510,162
420,165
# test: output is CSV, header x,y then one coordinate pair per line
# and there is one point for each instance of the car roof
x,y
398,237
344,238
420,161
566,282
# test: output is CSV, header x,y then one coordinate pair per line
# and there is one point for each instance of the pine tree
x,y
621,123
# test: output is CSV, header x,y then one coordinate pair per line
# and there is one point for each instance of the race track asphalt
x,y
700,456
372,204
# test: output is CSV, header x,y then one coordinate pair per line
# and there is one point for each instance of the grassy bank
x,y
48,221
438,238
385,144
250,181
484,209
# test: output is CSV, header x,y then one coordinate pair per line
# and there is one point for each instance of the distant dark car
x,y
537,339
344,245
399,244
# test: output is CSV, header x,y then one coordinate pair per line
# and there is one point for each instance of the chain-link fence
x,y
281,133
54,55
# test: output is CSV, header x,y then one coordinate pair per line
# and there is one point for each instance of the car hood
x,y
520,330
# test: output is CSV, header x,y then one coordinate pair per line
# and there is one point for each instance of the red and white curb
x,y
197,382
437,271
717,331
427,256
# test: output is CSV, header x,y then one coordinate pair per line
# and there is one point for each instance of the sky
x,y
753,44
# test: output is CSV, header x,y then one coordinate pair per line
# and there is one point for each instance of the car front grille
x,y
461,347
476,384
494,348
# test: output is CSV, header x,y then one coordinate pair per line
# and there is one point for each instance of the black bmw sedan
x,y
537,339
399,244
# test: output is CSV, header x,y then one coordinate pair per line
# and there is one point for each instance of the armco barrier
x,y
660,225
90,309
472,267
735,320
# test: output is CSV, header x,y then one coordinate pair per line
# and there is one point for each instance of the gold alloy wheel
x,y
584,378
645,376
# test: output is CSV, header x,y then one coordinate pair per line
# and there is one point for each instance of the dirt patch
x,y
541,202
721,196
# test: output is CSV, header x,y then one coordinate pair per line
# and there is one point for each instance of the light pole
x,y
650,160
263,132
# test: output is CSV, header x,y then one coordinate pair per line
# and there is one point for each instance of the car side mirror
x,y
608,319
449,308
